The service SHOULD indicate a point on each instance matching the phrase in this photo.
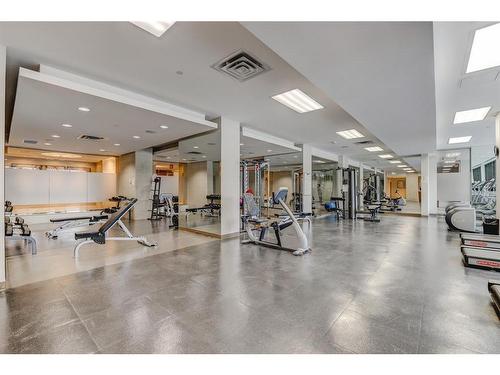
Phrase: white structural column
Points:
(307, 179)
(3, 54)
(230, 175)
(497, 144)
(361, 205)
(428, 184)
(143, 183)
(210, 177)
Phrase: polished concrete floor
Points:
(397, 286)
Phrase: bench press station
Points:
(99, 236)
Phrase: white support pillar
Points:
(210, 177)
(143, 183)
(230, 174)
(307, 179)
(428, 184)
(3, 57)
(497, 144)
(361, 204)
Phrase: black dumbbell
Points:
(9, 229)
(25, 230)
(7, 219)
(19, 220)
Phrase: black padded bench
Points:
(494, 289)
(100, 235)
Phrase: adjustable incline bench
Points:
(99, 236)
(73, 222)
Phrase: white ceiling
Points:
(177, 68)
(457, 91)
(41, 108)
(380, 72)
(207, 147)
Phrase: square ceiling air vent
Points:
(241, 65)
(364, 143)
(87, 137)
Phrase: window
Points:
(489, 170)
(476, 174)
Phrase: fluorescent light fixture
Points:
(136, 137)
(61, 155)
(84, 109)
(402, 166)
(454, 140)
(410, 171)
(453, 154)
(157, 28)
(67, 125)
(164, 126)
(319, 161)
(116, 144)
(350, 134)
(242, 144)
(393, 173)
(395, 161)
(47, 144)
(102, 150)
(203, 156)
(374, 149)
(298, 101)
(471, 115)
(55, 136)
(484, 53)
(386, 156)
(450, 161)
(269, 150)
(195, 147)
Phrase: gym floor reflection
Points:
(397, 286)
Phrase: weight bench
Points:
(100, 236)
(73, 222)
(494, 289)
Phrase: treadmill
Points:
(480, 251)
(494, 289)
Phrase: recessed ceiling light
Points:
(350, 134)
(67, 125)
(84, 109)
(454, 140)
(116, 144)
(102, 150)
(55, 136)
(269, 150)
(164, 126)
(402, 166)
(295, 156)
(195, 147)
(47, 144)
(184, 159)
(298, 101)
(395, 161)
(484, 53)
(136, 137)
(157, 28)
(168, 157)
(386, 156)
(242, 144)
(452, 154)
(319, 161)
(203, 156)
(471, 115)
(450, 161)
(393, 173)
(374, 149)
(410, 171)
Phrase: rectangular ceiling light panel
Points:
(454, 140)
(350, 134)
(471, 115)
(395, 161)
(485, 53)
(157, 28)
(374, 149)
(386, 156)
(298, 101)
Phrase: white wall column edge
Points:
(307, 178)
(497, 144)
(3, 58)
(230, 176)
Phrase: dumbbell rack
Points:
(16, 229)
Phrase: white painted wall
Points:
(3, 57)
(412, 187)
(196, 184)
(32, 186)
(282, 179)
(230, 175)
(170, 184)
(454, 187)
